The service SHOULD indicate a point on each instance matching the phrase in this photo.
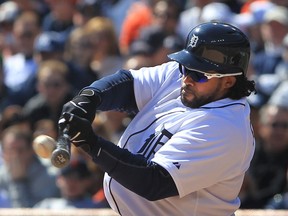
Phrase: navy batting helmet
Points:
(215, 46)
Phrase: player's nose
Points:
(188, 80)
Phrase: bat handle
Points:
(61, 155)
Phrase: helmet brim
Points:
(191, 61)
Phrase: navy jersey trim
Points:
(227, 105)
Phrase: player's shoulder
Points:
(170, 65)
(168, 68)
(226, 104)
(163, 70)
(222, 110)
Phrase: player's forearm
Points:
(116, 92)
(148, 180)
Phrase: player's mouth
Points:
(186, 90)
(187, 94)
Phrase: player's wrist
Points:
(83, 105)
(92, 95)
(91, 147)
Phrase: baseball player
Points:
(188, 147)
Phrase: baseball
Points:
(44, 145)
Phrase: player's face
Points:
(196, 94)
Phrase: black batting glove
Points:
(83, 105)
(80, 132)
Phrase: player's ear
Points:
(229, 81)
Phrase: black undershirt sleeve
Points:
(115, 92)
(133, 171)
(147, 179)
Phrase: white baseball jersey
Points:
(205, 150)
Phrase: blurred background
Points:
(51, 49)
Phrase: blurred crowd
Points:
(51, 49)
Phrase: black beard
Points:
(198, 101)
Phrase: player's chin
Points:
(190, 100)
(187, 100)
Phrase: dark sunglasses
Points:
(201, 76)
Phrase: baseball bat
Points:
(60, 157)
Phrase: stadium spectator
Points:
(160, 13)
(251, 19)
(106, 55)
(9, 12)
(79, 57)
(6, 95)
(54, 90)
(217, 11)
(60, 16)
(12, 116)
(25, 179)
(138, 16)
(116, 11)
(273, 30)
(40, 6)
(190, 17)
(281, 69)
(280, 200)
(49, 45)
(156, 44)
(166, 15)
(21, 66)
(86, 10)
(74, 182)
(270, 162)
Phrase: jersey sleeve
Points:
(200, 156)
(148, 80)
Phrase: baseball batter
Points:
(188, 147)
